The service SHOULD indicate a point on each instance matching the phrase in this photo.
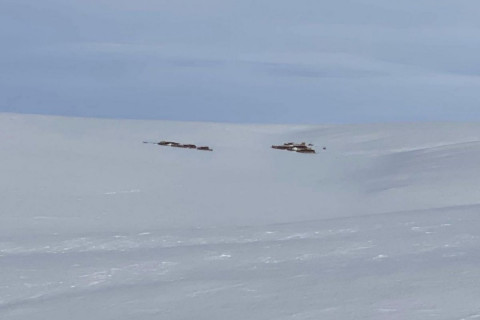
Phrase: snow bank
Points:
(94, 223)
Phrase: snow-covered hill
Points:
(95, 224)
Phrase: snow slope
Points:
(94, 224)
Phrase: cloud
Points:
(263, 61)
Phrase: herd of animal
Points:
(181, 145)
(297, 147)
(289, 146)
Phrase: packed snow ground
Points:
(94, 224)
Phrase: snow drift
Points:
(96, 224)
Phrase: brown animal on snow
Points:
(284, 147)
(166, 143)
(306, 150)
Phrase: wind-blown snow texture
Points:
(94, 224)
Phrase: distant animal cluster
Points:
(289, 146)
(297, 147)
(181, 145)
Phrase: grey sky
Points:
(307, 61)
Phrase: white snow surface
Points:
(95, 224)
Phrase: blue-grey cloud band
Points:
(242, 61)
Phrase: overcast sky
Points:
(303, 61)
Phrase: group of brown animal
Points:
(297, 147)
(289, 146)
(180, 145)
